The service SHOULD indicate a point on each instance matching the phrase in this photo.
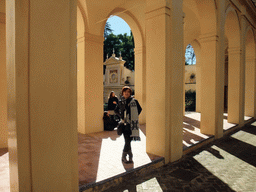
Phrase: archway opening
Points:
(232, 77)
(190, 79)
(249, 108)
(119, 65)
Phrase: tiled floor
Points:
(100, 153)
(224, 165)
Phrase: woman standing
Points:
(112, 103)
(128, 110)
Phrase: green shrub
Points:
(105, 105)
(190, 100)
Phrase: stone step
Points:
(118, 179)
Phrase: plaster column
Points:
(184, 83)
(90, 90)
(197, 49)
(81, 84)
(164, 79)
(198, 87)
(42, 101)
(250, 87)
(212, 84)
(254, 91)
(212, 77)
(236, 79)
(140, 80)
(3, 83)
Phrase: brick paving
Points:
(100, 154)
(227, 164)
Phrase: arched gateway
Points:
(54, 76)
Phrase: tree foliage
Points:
(190, 55)
(107, 30)
(120, 43)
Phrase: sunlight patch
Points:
(230, 169)
(149, 185)
(4, 172)
(110, 159)
(110, 163)
(226, 124)
(245, 137)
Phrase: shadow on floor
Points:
(192, 122)
(186, 175)
(238, 144)
(223, 165)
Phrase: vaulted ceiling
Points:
(254, 1)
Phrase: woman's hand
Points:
(114, 102)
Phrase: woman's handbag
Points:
(120, 128)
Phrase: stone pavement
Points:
(227, 164)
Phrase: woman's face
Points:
(112, 94)
(126, 94)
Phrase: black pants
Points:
(127, 144)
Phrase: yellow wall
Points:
(3, 81)
(47, 102)
(42, 115)
(164, 126)
(250, 74)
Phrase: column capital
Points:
(2, 18)
(90, 37)
(250, 59)
(208, 37)
(139, 50)
(234, 50)
(152, 12)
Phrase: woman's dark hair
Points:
(110, 95)
(125, 88)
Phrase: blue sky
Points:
(118, 25)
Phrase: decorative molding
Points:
(152, 13)
(93, 38)
(2, 18)
(139, 50)
(234, 50)
(209, 37)
(250, 59)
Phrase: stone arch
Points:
(207, 13)
(250, 42)
(80, 23)
(232, 27)
(197, 48)
(82, 11)
(133, 23)
(249, 72)
(199, 26)
(192, 28)
(139, 55)
(203, 16)
(233, 32)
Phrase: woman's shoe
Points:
(130, 156)
(124, 157)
